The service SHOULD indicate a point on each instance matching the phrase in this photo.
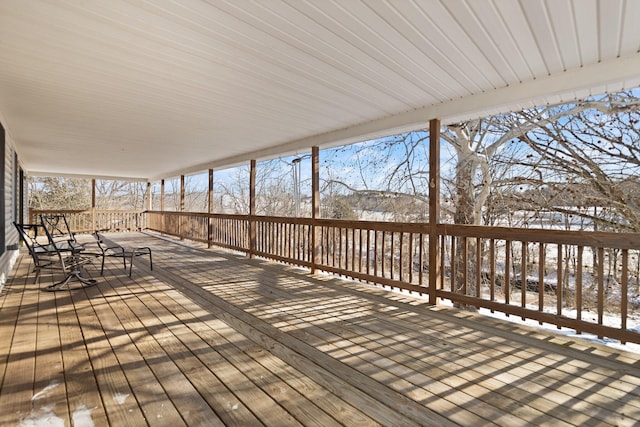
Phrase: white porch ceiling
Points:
(157, 88)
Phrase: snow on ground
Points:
(607, 320)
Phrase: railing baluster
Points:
(600, 286)
(443, 245)
(401, 257)
(506, 289)
(368, 252)
(421, 260)
(360, 250)
(341, 248)
(478, 267)
(492, 270)
(465, 264)
(336, 246)
(560, 283)
(410, 260)
(330, 245)
(353, 249)
(541, 261)
(453, 277)
(523, 282)
(624, 290)
(346, 249)
(322, 242)
(392, 255)
(383, 253)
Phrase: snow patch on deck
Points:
(82, 417)
(53, 384)
(120, 398)
(42, 417)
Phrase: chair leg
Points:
(140, 251)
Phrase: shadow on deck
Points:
(212, 338)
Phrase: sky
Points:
(339, 163)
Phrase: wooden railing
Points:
(576, 279)
(84, 221)
(228, 231)
(377, 252)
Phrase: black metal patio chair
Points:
(117, 251)
(70, 256)
(42, 252)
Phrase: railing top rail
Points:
(600, 239)
(88, 211)
(199, 214)
(570, 237)
(324, 222)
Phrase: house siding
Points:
(11, 197)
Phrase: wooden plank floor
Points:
(213, 338)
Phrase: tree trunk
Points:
(465, 198)
(465, 214)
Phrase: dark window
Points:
(16, 185)
(2, 199)
(20, 217)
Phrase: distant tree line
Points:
(51, 193)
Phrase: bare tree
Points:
(231, 193)
(196, 189)
(385, 178)
(280, 189)
(59, 193)
(120, 195)
(590, 164)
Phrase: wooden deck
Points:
(213, 338)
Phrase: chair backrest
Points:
(62, 242)
(57, 228)
(29, 233)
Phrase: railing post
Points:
(252, 210)
(181, 206)
(181, 193)
(210, 211)
(315, 208)
(142, 223)
(93, 205)
(162, 220)
(434, 209)
(147, 197)
(162, 195)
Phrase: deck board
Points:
(19, 358)
(115, 392)
(212, 338)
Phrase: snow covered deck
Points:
(213, 338)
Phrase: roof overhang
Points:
(149, 90)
